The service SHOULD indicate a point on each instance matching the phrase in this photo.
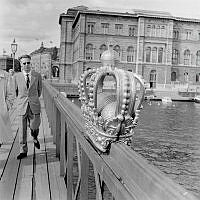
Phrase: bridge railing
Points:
(122, 174)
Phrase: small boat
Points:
(197, 99)
(166, 100)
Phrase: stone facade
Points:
(45, 62)
(162, 48)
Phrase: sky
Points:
(31, 22)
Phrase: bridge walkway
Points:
(38, 175)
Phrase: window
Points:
(198, 77)
(175, 56)
(186, 77)
(158, 32)
(131, 30)
(173, 76)
(130, 54)
(153, 31)
(103, 48)
(149, 30)
(117, 49)
(118, 29)
(198, 58)
(148, 54)
(163, 31)
(188, 35)
(89, 52)
(105, 28)
(160, 55)
(154, 55)
(152, 79)
(176, 35)
(187, 57)
(90, 27)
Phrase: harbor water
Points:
(168, 136)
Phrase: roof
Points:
(42, 50)
(74, 13)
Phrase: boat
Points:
(197, 99)
(166, 100)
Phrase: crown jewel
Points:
(111, 99)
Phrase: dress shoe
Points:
(36, 143)
(21, 156)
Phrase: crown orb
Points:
(109, 57)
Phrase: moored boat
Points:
(197, 99)
(166, 100)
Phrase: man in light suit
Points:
(28, 83)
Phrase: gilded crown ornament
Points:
(110, 113)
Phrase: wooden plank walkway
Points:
(36, 177)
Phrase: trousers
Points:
(28, 120)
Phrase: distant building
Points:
(46, 61)
(6, 63)
(162, 48)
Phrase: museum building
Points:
(162, 48)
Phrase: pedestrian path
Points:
(36, 177)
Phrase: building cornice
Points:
(131, 14)
(68, 16)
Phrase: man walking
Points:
(28, 83)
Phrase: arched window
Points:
(55, 71)
(103, 48)
(160, 55)
(117, 49)
(154, 55)
(198, 58)
(175, 55)
(130, 54)
(187, 57)
(148, 54)
(173, 76)
(89, 52)
(152, 79)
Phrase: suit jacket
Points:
(25, 95)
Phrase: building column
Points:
(140, 46)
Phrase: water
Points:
(168, 136)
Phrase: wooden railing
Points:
(68, 88)
(120, 175)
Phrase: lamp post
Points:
(14, 50)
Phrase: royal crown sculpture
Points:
(110, 114)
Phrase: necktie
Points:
(27, 81)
